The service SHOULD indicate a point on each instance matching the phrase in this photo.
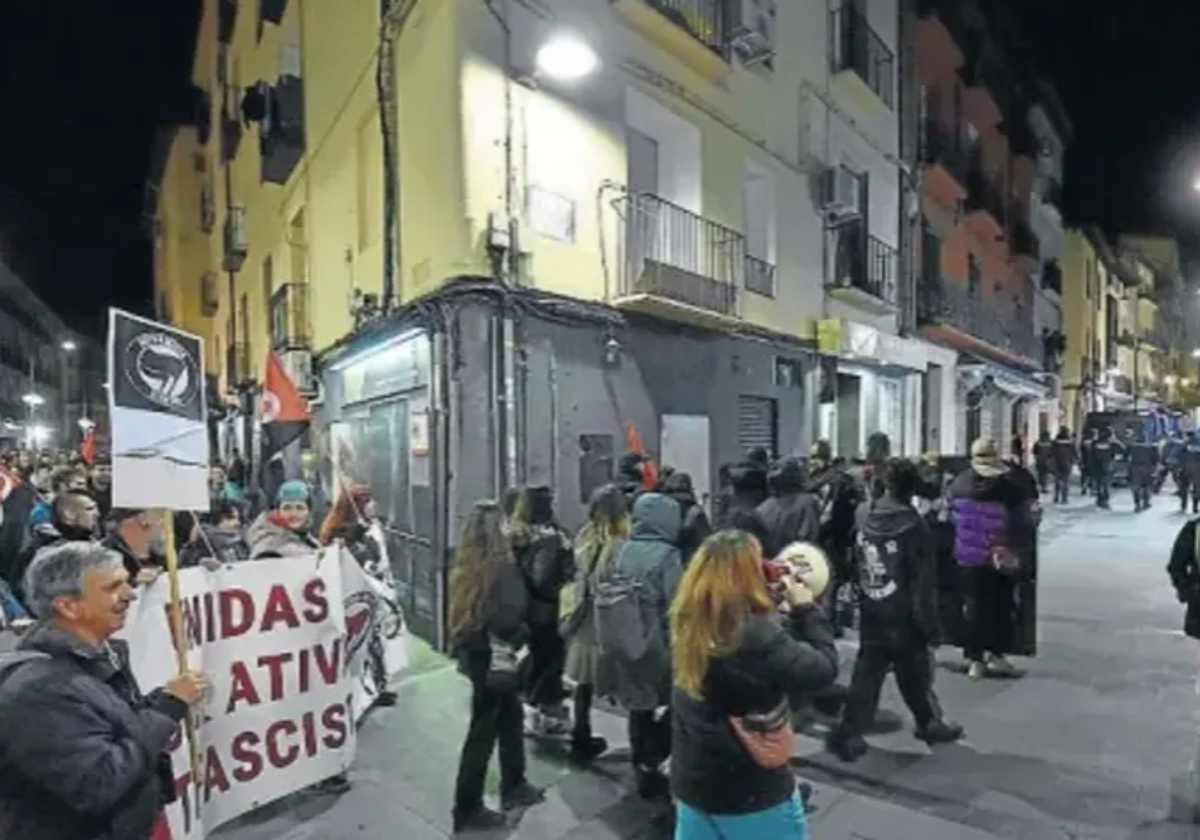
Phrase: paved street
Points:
(1084, 746)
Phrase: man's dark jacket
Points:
(82, 751)
(897, 574)
(792, 514)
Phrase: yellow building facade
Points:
(478, 159)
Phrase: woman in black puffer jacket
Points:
(736, 662)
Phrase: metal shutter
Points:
(758, 424)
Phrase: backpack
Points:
(625, 615)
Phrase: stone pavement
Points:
(1084, 746)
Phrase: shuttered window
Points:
(758, 424)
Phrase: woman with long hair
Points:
(606, 528)
(488, 626)
(737, 657)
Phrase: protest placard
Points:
(284, 643)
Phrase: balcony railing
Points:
(1022, 241)
(863, 263)
(708, 21)
(984, 196)
(290, 324)
(760, 276)
(1052, 277)
(942, 147)
(237, 364)
(943, 302)
(858, 48)
(673, 253)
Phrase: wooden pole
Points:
(179, 638)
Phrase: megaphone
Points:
(805, 562)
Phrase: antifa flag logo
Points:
(361, 617)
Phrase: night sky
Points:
(81, 92)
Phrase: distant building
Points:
(50, 376)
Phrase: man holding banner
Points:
(83, 754)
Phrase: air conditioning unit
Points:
(298, 364)
(236, 246)
(753, 33)
(841, 193)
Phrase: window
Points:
(758, 193)
(974, 274)
(931, 255)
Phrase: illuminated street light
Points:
(85, 424)
(1196, 353)
(566, 58)
(38, 434)
(33, 400)
(69, 346)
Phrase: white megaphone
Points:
(808, 564)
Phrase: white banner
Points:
(284, 642)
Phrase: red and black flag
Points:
(87, 449)
(284, 413)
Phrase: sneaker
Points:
(998, 666)
(521, 796)
(976, 671)
(940, 732)
(484, 819)
(587, 748)
(848, 748)
(387, 699)
(652, 784)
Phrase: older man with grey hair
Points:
(82, 751)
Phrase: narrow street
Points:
(1084, 746)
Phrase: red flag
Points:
(87, 449)
(284, 413)
(162, 828)
(633, 441)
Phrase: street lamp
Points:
(566, 58)
(69, 346)
(86, 424)
(33, 400)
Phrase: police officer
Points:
(1063, 461)
(1143, 463)
(1100, 462)
(1086, 485)
(1190, 474)
(1043, 459)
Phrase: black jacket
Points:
(792, 515)
(710, 769)
(545, 558)
(1184, 571)
(695, 527)
(1063, 456)
(82, 751)
(503, 614)
(896, 567)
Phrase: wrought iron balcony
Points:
(984, 197)
(858, 48)
(941, 302)
(237, 364)
(942, 147)
(1022, 241)
(290, 323)
(862, 270)
(282, 138)
(760, 276)
(677, 257)
(708, 22)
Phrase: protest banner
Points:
(372, 602)
(284, 643)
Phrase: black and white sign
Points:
(158, 416)
(157, 368)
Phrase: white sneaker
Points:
(999, 666)
(976, 671)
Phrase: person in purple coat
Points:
(994, 531)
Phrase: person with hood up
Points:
(993, 536)
(792, 514)
(648, 566)
(286, 530)
(218, 543)
(745, 490)
(695, 526)
(545, 557)
(896, 569)
(1062, 462)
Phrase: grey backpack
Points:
(625, 615)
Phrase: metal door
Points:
(685, 445)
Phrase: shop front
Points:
(997, 401)
(876, 381)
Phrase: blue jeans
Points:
(785, 821)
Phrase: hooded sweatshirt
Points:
(988, 511)
(793, 514)
(897, 572)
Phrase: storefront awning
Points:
(975, 372)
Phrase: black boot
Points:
(939, 732)
(846, 746)
(586, 747)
